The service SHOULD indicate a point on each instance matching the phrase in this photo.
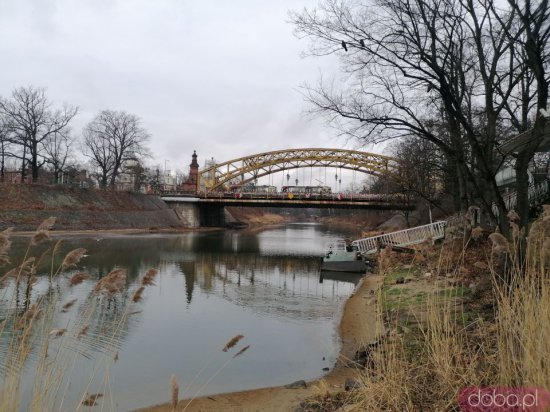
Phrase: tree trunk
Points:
(34, 163)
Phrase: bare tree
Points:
(31, 122)
(4, 146)
(411, 63)
(57, 149)
(533, 56)
(109, 139)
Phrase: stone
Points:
(400, 280)
(351, 384)
(428, 275)
(296, 385)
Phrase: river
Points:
(211, 286)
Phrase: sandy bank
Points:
(357, 326)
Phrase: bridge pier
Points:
(194, 214)
(188, 213)
(211, 215)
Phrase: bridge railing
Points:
(394, 198)
(537, 192)
(402, 238)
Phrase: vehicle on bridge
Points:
(251, 188)
(316, 190)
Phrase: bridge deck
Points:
(384, 202)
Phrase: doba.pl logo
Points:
(500, 399)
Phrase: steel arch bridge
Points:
(248, 168)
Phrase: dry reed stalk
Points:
(65, 308)
(113, 283)
(5, 245)
(72, 258)
(243, 350)
(47, 224)
(90, 400)
(500, 243)
(513, 216)
(477, 233)
(57, 332)
(524, 305)
(174, 389)
(24, 269)
(32, 313)
(137, 294)
(39, 236)
(232, 342)
(149, 277)
(83, 331)
(78, 278)
(134, 312)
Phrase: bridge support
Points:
(211, 215)
(187, 212)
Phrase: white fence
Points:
(402, 238)
(536, 194)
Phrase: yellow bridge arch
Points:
(248, 168)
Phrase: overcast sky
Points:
(216, 76)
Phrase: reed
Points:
(492, 336)
(174, 390)
(29, 327)
(232, 342)
(78, 278)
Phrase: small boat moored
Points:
(342, 256)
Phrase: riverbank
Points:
(77, 209)
(107, 232)
(357, 327)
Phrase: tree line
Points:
(451, 78)
(35, 136)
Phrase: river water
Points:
(211, 286)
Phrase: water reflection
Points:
(210, 287)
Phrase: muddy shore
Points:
(357, 327)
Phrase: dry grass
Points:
(30, 330)
(492, 336)
(232, 342)
(174, 390)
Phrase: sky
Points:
(218, 77)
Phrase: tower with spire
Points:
(190, 185)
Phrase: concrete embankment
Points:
(26, 206)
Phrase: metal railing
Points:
(537, 192)
(402, 238)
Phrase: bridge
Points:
(202, 198)
(250, 168)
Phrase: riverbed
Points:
(211, 287)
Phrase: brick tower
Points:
(190, 185)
